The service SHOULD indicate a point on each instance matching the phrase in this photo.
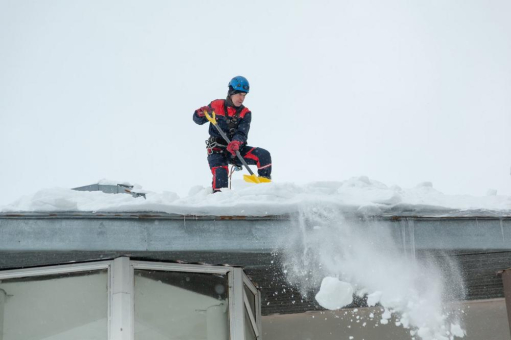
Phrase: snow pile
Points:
(335, 294)
(359, 194)
(326, 251)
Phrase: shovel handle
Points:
(224, 136)
(244, 163)
(211, 119)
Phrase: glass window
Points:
(179, 305)
(249, 330)
(55, 307)
(251, 299)
(251, 306)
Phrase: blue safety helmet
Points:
(240, 84)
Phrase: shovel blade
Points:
(255, 179)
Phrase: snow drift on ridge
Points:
(354, 195)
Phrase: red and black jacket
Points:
(234, 121)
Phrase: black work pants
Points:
(219, 161)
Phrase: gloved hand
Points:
(233, 147)
(200, 112)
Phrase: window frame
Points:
(255, 319)
(121, 300)
(68, 268)
(184, 268)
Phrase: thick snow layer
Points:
(360, 194)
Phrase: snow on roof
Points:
(358, 194)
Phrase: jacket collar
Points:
(228, 102)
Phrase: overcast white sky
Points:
(400, 91)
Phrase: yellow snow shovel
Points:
(252, 178)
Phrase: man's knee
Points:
(264, 156)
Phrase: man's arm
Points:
(198, 115)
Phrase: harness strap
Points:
(212, 146)
(232, 122)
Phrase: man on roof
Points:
(234, 119)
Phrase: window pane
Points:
(249, 330)
(55, 307)
(178, 305)
(251, 299)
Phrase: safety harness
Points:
(215, 144)
(232, 122)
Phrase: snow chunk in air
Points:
(334, 294)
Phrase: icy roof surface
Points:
(359, 194)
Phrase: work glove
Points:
(200, 112)
(234, 146)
